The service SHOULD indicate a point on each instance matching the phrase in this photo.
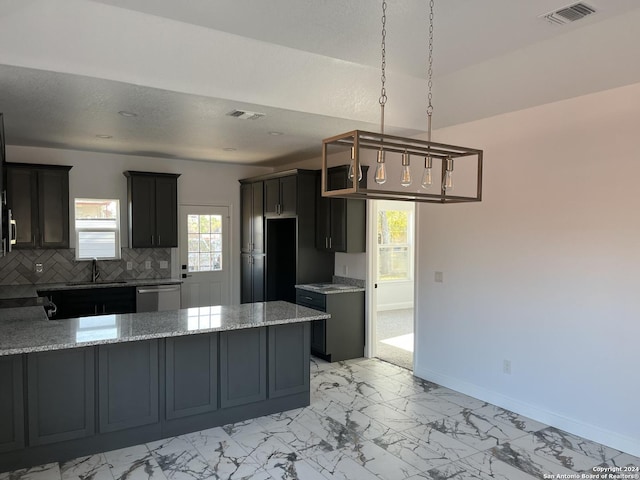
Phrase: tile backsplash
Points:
(60, 266)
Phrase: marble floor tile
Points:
(347, 398)
(93, 467)
(383, 367)
(437, 403)
(266, 449)
(624, 460)
(486, 464)
(134, 463)
(295, 469)
(440, 442)
(527, 461)
(411, 451)
(379, 461)
(362, 424)
(335, 466)
(476, 431)
(332, 431)
(48, 471)
(451, 471)
(243, 428)
(457, 398)
(416, 410)
(228, 460)
(597, 451)
(549, 446)
(390, 417)
(510, 418)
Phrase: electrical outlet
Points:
(506, 367)
(438, 277)
(39, 268)
(164, 264)
(129, 265)
(147, 264)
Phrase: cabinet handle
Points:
(326, 242)
(159, 241)
(152, 240)
(329, 242)
(95, 309)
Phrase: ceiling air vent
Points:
(568, 14)
(245, 115)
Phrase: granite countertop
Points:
(330, 288)
(13, 292)
(27, 329)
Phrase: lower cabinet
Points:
(243, 366)
(86, 302)
(60, 395)
(288, 359)
(11, 404)
(191, 375)
(127, 385)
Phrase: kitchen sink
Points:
(105, 282)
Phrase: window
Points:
(205, 243)
(97, 228)
(394, 245)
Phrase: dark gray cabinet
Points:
(252, 278)
(252, 212)
(289, 359)
(280, 196)
(92, 301)
(11, 404)
(191, 375)
(128, 385)
(38, 196)
(341, 223)
(153, 209)
(340, 337)
(60, 395)
(243, 367)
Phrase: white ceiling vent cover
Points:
(245, 115)
(569, 14)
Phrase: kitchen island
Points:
(79, 386)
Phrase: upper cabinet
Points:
(252, 226)
(280, 196)
(341, 223)
(38, 196)
(153, 209)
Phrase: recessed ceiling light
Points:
(104, 136)
(124, 113)
(275, 134)
(229, 149)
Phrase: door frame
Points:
(234, 233)
(371, 313)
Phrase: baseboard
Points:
(571, 425)
(395, 306)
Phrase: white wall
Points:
(97, 175)
(545, 271)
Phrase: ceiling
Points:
(312, 67)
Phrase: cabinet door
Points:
(246, 279)
(22, 199)
(288, 359)
(337, 211)
(288, 195)
(318, 344)
(53, 195)
(116, 300)
(257, 278)
(128, 385)
(272, 197)
(246, 217)
(323, 218)
(257, 217)
(142, 211)
(191, 375)
(243, 366)
(60, 395)
(166, 211)
(11, 404)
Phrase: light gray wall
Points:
(543, 272)
(99, 175)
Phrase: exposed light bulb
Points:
(352, 165)
(381, 170)
(427, 178)
(405, 177)
(447, 181)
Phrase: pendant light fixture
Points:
(393, 176)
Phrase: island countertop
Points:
(27, 329)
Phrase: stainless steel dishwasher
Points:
(157, 298)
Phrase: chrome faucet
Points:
(95, 273)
